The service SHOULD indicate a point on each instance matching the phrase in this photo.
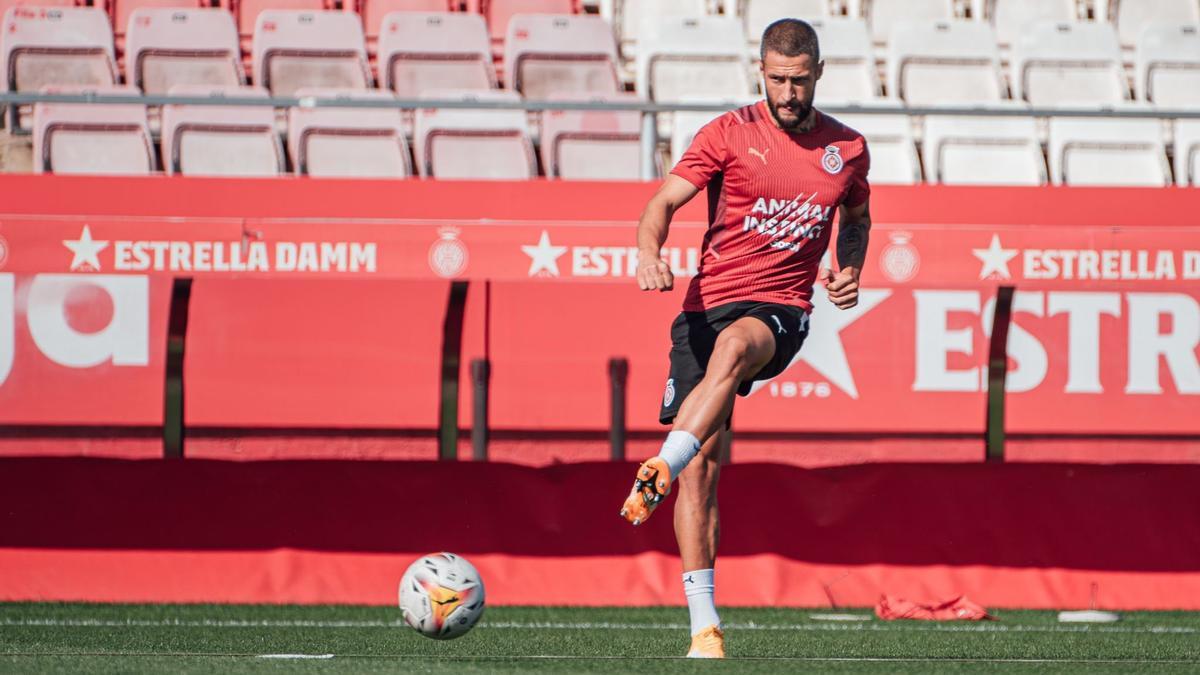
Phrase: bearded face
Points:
(790, 83)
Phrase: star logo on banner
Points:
(995, 259)
(543, 257)
(823, 349)
(86, 250)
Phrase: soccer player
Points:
(775, 171)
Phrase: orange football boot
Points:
(652, 484)
(708, 644)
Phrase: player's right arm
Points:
(653, 273)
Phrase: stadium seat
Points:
(850, 74)
(1068, 64)
(206, 140)
(548, 56)
(333, 142)
(892, 144)
(698, 58)
(882, 14)
(421, 51)
(932, 62)
(248, 11)
(959, 150)
(498, 13)
(473, 144)
(684, 128)
(123, 10)
(43, 46)
(592, 144)
(1132, 16)
(1010, 17)
(166, 47)
(1107, 151)
(1168, 65)
(756, 15)
(374, 11)
(1187, 152)
(81, 138)
(629, 16)
(296, 49)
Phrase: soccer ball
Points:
(441, 596)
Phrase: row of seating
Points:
(684, 59)
(590, 145)
(243, 140)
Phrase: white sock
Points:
(678, 450)
(698, 587)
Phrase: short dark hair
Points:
(791, 37)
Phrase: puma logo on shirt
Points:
(760, 155)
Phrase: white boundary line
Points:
(988, 627)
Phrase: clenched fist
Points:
(653, 273)
(841, 286)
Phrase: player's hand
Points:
(842, 286)
(654, 274)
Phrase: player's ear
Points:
(820, 69)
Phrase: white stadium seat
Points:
(206, 140)
(592, 144)
(421, 51)
(1011, 17)
(166, 47)
(684, 128)
(80, 138)
(1105, 151)
(891, 143)
(968, 150)
(850, 74)
(1168, 65)
(1187, 152)
(50, 46)
(1132, 16)
(933, 62)
(698, 58)
(1068, 64)
(756, 15)
(294, 49)
(375, 11)
(334, 142)
(248, 11)
(631, 16)
(473, 143)
(882, 14)
(550, 55)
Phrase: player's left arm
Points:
(854, 231)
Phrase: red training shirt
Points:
(771, 200)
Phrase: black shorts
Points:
(693, 335)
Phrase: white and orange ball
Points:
(441, 596)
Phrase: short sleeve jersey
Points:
(771, 200)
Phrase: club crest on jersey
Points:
(832, 159)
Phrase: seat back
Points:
(982, 150)
(474, 144)
(296, 49)
(1187, 152)
(52, 46)
(374, 11)
(592, 144)
(882, 15)
(693, 58)
(1100, 151)
(891, 141)
(850, 73)
(347, 142)
(1010, 17)
(166, 47)
(123, 10)
(548, 56)
(208, 140)
(423, 51)
(1168, 65)
(81, 138)
(758, 14)
(1068, 64)
(1132, 16)
(944, 62)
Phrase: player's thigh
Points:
(749, 342)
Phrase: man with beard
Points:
(774, 171)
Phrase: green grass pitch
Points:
(50, 638)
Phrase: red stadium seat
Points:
(204, 140)
(42, 46)
(592, 144)
(122, 10)
(474, 144)
(6, 4)
(166, 47)
(374, 11)
(421, 51)
(248, 11)
(549, 55)
(295, 49)
(347, 142)
(80, 138)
